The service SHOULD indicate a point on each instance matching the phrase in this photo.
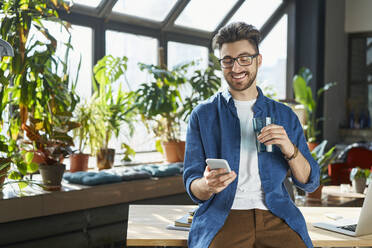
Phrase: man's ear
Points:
(259, 60)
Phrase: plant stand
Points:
(52, 176)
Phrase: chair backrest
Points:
(359, 156)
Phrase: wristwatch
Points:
(294, 153)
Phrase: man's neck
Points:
(247, 95)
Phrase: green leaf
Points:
(22, 185)
(158, 146)
(15, 175)
(32, 167)
(28, 157)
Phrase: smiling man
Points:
(248, 207)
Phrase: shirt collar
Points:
(257, 107)
(260, 98)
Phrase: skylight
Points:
(205, 15)
(155, 10)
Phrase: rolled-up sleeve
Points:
(300, 141)
(194, 164)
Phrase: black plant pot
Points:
(52, 176)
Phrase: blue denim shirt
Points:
(214, 132)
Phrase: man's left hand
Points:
(276, 135)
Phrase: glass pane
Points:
(255, 12)
(180, 53)
(81, 41)
(137, 49)
(91, 3)
(155, 10)
(205, 15)
(272, 74)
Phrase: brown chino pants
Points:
(255, 228)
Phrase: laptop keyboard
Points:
(349, 227)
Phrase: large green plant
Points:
(115, 105)
(159, 101)
(324, 158)
(204, 83)
(303, 95)
(30, 70)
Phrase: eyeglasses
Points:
(243, 60)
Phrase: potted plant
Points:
(158, 103)
(304, 96)
(115, 107)
(30, 62)
(85, 115)
(50, 140)
(358, 178)
(163, 103)
(323, 158)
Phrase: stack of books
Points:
(183, 223)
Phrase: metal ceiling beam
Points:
(174, 14)
(228, 16)
(84, 10)
(134, 20)
(274, 18)
(105, 8)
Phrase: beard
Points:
(241, 86)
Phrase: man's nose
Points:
(236, 67)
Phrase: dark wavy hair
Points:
(235, 32)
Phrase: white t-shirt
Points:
(249, 193)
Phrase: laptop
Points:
(362, 226)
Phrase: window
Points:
(205, 15)
(272, 74)
(81, 41)
(255, 12)
(137, 49)
(180, 53)
(155, 10)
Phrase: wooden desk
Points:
(146, 226)
(332, 197)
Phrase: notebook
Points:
(362, 226)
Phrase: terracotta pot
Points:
(174, 151)
(105, 158)
(52, 175)
(358, 185)
(79, 162)
(312, 145)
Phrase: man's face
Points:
(240, 77)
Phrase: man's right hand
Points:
(212, 182)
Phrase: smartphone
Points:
(216, 163)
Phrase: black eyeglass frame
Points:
(236, 59)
